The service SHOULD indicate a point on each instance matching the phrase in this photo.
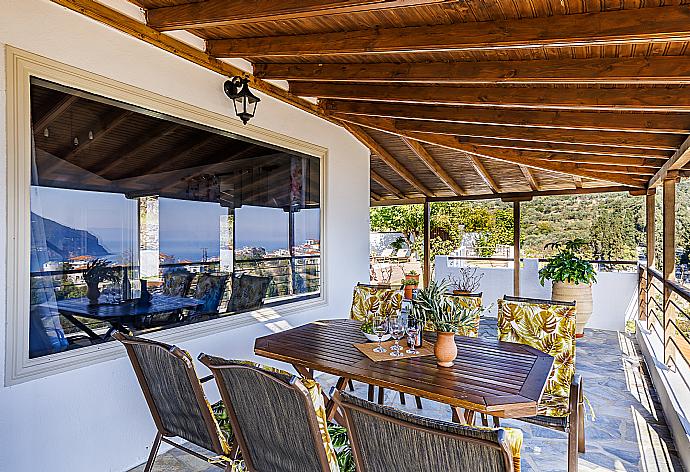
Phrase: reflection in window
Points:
(141, 222)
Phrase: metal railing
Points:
(602, 265)
(665, 307)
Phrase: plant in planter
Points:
(412, 275)
(434, 310)
(97, 271)
(466, 281)
(409, 285)
(572, 278)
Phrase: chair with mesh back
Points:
(549, 326)
(384, 439)
(279, 420)
(177, 401)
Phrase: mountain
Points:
(64, 242)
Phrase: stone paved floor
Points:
(629, 433)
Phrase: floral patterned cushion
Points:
(209, 289)
(551, 329)
(177, 284)
(468, 302)
(369, 301)
(248, 292)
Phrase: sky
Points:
(185, 226)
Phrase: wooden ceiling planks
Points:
(545, 95)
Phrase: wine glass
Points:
(380, 327)
(397, 331)
(412, 331)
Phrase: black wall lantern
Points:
(237, 89)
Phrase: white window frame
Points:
(21, 66)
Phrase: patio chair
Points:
(209, 289)
(279, 420)
(384, 439)
(549, 326)
(177, 401)
(177, 283)
(370, 300)
(248, 292)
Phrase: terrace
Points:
(122, 145)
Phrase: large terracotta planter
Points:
(582, 295)
(445, 349)
(407, 291)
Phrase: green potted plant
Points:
(97, 271)
(412, 275)
(434, 310)
(572, 277)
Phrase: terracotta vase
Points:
(445, 349)
(407, 292)
(92, 293)
(581, 294)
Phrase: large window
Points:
(141, 222)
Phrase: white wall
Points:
(614, 294)
(94, 418)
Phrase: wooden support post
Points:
(516, 248)
(650, 203)
(669, 264)
(427, 243)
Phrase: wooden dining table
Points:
(496, 378)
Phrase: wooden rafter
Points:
(55, 111)
(213, 13)
(623, 26)
(515, 156)
(182, 153)
(130, 26)
(148, 138)
(482, 172)
(111, 123)
(665, 142)
(531, 180)
(386, 184)
(419, 150)
(375, 196)
(607, 121)
(638, 70)
(631, 99)
(387, 157)
(679, 160)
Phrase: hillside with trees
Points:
(614, 223)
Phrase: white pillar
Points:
(149, 237)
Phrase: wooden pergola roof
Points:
(462, 99)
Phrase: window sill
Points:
(46, 366)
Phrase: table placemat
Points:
(427, 349)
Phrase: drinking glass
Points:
(380, 327)
(412, 331)
(397, 330)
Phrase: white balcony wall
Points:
(615, 293)
(94, 418)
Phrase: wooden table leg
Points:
(332, 412)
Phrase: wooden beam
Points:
(650, 205)
(426, 271)
(585, 29)
(375, 196)
(182, 153)
(679, 159)
(479, 168)
(615, 139)
(53, 113)
(386, 184)
(587, 120)
(630, 99)
(419, 150)
(214, 13)
(531, 180)
(143, 141)
(669, 266)
(513, 196)
(637, 70)
(130, 26)
(530, 159)
(516, 248)
(112, 122)
(387, 157)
